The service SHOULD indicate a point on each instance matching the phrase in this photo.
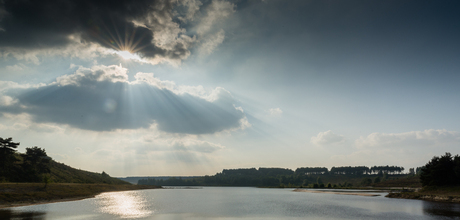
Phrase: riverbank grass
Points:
(18, 194)
(439, 194)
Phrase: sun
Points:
(126, 55)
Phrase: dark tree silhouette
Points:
(36, 163)
(440, 171)
(311, 170)
(358, 170)
(7, 157)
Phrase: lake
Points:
(231, 203)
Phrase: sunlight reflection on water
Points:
(129, 204)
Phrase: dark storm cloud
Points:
(333, 39)
(101, 99)
(109, 23)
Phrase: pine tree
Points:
(7, 157)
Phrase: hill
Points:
(61, 173)
(36, 166)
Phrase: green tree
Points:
(46, 180)
(7, 157)
(440, 171)
(457, 168)
(36, 163)
(412, 171)
(104, 174)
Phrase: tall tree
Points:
(7, 157)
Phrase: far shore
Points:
(337, 192)
(25, 194)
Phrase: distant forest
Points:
(316, 177)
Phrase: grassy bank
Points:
(438, 194)
(17, 194)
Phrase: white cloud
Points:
(84, 75)
(7, 101)
(15, 68)
(76, 49)
(8, 86)
(150, 79)
(102, 99)
(196, 145)
(24, 122)
(410, 149)
(211, 43)
(275, 111)
(327, 138)
(157, 141)
(429, 137)
(216, 11)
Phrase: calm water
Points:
(229, 203)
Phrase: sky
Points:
(191, 87)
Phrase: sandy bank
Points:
(336, 192)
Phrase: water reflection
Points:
(7, 214)
(129, 204)
(441, 209)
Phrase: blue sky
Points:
(191, 87)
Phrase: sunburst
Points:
(125, 47)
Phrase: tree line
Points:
(362, 170)
(30, 166)
(345, 170)
(280, 177)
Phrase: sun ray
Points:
(126, 45)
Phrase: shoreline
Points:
(26, 194)
(449, 194)
(425, 197)
(337, 192)
(12, 205)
